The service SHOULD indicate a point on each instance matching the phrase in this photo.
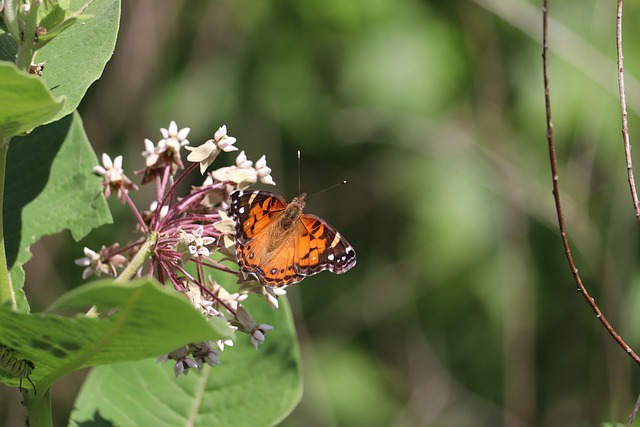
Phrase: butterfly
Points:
(281, 245)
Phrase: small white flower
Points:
(246, 324)
(104, 262)
(114, 177)
(90, 257)
(197, 242)
(149, 153)
(273, 294)
(191, 363)
(226, 225)
(257, 337)
(179, 369)
(242, 162)
(242, 177)
(154, 206)
(174, 137)
(224, 141)
(222, 343)
(263, 171)
(90, 260)
(203, 305)
(204, 154)
(221, 294)
(192, 356)
(166, 153)
(111, 170)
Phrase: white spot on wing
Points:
(331, 257)
(253, 197)
(335, 241)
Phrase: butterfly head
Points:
(300, 200)
(292, 212)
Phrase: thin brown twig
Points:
(556, 193)
(627, 147)
(623, 107)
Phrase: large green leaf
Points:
(147, 321)
(76, 57)
(25, 101)
(50, 187)
(249, 388)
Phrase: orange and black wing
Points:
(320, 247)
(253, 211)
(275, 268)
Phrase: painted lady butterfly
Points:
(281, 245)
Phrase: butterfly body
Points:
(280, 244)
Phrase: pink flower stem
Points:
(133, 207)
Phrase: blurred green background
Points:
(461, 310)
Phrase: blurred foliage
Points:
(461, 310)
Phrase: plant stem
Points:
(26, 47)
(39, 410)
(6, 290)
(556, 193)
(146, 250)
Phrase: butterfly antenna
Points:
(327, 189)
(299, 188)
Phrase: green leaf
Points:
(50, 17)
(249, 388)
(11, 17)
(25, 101)
(49, 174)
(140, 327)
(58, 21)
(77, 56)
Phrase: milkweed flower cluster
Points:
(187, 229)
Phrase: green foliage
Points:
(48, 186)
(60, 183)
(25, 101)
(249, 388)
(461, 310)
(77, 57)
(137, 327)
(57, 20)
